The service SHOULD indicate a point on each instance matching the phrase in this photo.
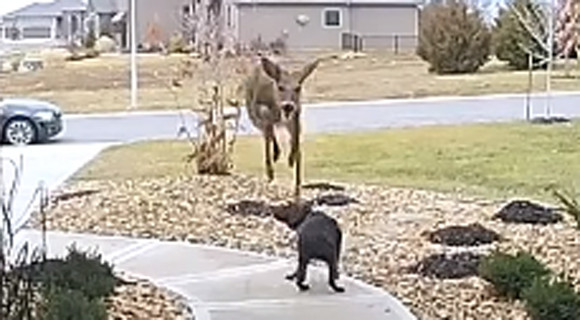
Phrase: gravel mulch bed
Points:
(385, 232)
(139, 299)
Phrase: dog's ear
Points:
(297, 214)
(291, 214)
(280, 214)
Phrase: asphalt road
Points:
(349, 117)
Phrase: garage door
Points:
(35, 33)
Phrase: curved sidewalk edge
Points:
(220, 283)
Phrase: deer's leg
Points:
(276, 148)
(295, 157)
(268, 135)
(294, 130)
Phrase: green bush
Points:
(453, 39)
(511, 38)
(511, 275)
(571, 206)
(553, 300)
(177, 44)
(90, 39)
(66, 304)
(80, 271)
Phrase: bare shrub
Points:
(16, 61)
(218, 73)
(279, 46)
(178, 44)
(258, 45)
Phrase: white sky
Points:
(11, 5)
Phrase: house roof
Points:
(104, 6)
(54, 8)
(328, 2)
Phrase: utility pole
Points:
(530, 84)
(133, 56)
(550, 58)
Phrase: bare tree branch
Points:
(538, 38)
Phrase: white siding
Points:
(378, 24)
(270, 21)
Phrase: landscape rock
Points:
(442, 266)
(139, 299)
(383, 235)
(249, 207)
(323, 186)
(471, 235)
(523, 211)
(335, 200)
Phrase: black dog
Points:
(319, 237)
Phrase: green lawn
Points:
(498, 161)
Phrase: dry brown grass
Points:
(103, 84)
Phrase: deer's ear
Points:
(307, 70)
(272, 69)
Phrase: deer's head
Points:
(288, 85)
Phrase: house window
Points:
(332, 18)
(11, 33)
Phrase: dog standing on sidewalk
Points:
(319, 237)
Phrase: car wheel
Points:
(20, 132)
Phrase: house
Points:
(56, 22)
(109, 18)
(62, 21)
(156, 20)
(326, 24)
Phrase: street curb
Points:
(121, 114)
(379, 102)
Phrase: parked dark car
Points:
(26, 121)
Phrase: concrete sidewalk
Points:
(223, 284)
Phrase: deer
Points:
(272, 95)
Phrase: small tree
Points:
(520, 30)
(568, 29)
(154, 37)
(453, 38)
(217, 77)
(90, 39)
